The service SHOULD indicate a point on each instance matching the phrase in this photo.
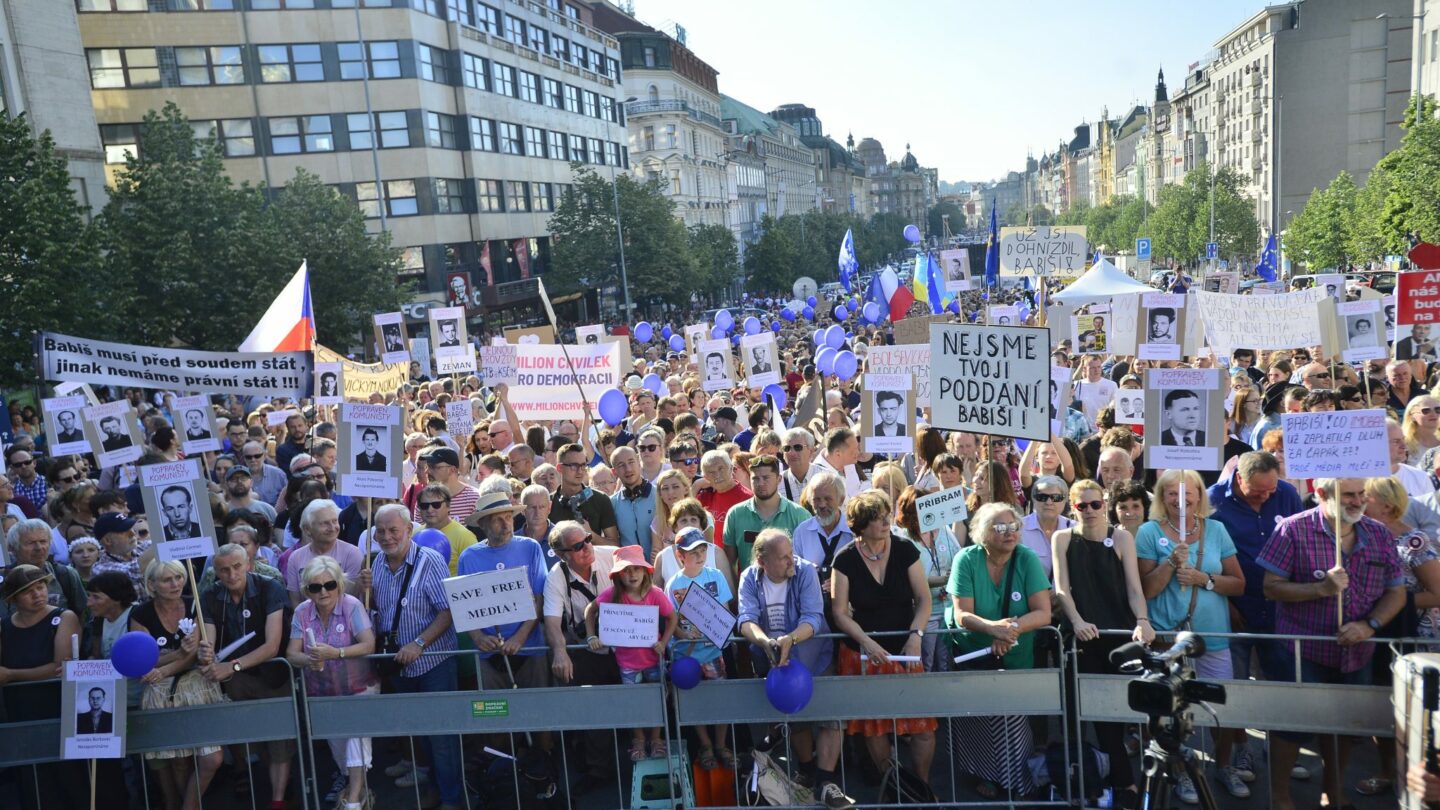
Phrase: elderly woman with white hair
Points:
(320, 528)
(330, 635)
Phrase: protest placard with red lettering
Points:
(1417, 295)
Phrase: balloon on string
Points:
(735, 339)
(666, 332)
(846, 364)
(912, 233)
(776, 392)
(717, 332)
(825, 360)
(835, 337)
(644, 332)
(808, 312)
(871, 311)
(685, 672)
(789, 688)
(840, 312)
(774, 326)
(654, 384)
(135, 654)
(819, 338)
(812, 301)
(613, 407)
(787, 314)
(436, 541)
(724, 319)
(677, 343)
(752, 325)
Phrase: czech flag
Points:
(289, 324)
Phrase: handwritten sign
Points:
(913, 360)
(991, 379)
(490, 598)
(1043, 250)
(499, 364)
(459, 419)
(1337, 444)
(708, 615)
(629, 625)
(1260, 321)
(941, 508)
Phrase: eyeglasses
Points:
(22, 463)
(317, 587)
(794, 448)
(430, 504)
(68, 479)
(1048, 497)
(648, 448)
(1424, 411)
(688, 462)
(498, 433)
(1318, 375)
(576, 547)
(1084, 506)
(249, 457)
(1005, 528)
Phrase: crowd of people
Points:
(815, 544)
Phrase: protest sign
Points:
(1130, 406)
(390, 337)
(545, 382)
(1003, 315)
(461, 363)
(887, 413)
(519, 335)
(1184, 419)
(113, 432)
(627, 361)
(941, 508)
(92, 711)
(360, 380)
(589, 334)
(498, 365)
(716, 365)
(991, 379)
(708, 614)
(911, 359)
(1160, 326)
(915, 330)
(1227, 283)
(262, 374)
(420, 355)
(1417, 294)
(1333, 284)
(1387, 306)
(1260, 321)
(1042, 250)
(955, 270)
(1359, 330)
(694, 333)
(1061, 393)
(280, 417)
(1091, 331)
(761, 359)
(1124, 312)
(369, 450)
(490, 598)
(175, 492)
(629, 625)
(64, 426)
(449, 334)
(195, 422)
(328, 390)
(459, 419)
(1057, 320)
(1336, 444)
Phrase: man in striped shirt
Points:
(444, 466)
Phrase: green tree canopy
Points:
(1320, 235)
(1180, 225)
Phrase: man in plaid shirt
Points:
(1304, 578)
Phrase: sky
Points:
(972, 85)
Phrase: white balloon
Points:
(889, 282)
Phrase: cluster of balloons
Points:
(788, 688)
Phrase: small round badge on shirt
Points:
(1163, 542)
(1109, 542)
(1416, 542)
(500, 566)
(161, 641)
(1318, 574)
(1014, 596)
(339, 628)
(245, 613)
(404, 602)
(55, 622)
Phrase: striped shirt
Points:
(462, 504)
(419, 606)
(1302, 549)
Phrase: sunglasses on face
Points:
(574, 465)
(430, 504)
(1048, 497)
(794, 448)
(1424, 411)
(249, 457)
(317, 587)
(23, 463)
(1085, 506)
(1005, 528)
(576, 547)
(688, 462)
(68, 479)
(649, 448)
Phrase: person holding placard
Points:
(937, 548)
(632, 585)
(688, 641)
(520, 642)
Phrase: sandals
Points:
(727, 758)
(658, 750)
(708, 760)
(637, 750)
(1374, 786)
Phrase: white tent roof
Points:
(1101, 282)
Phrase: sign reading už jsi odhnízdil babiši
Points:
(991, 379)
(1042, 250)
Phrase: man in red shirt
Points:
(720, 489)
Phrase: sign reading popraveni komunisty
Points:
(991, 379)
(66, 358)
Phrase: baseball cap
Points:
(112, 522)
(726, 412)
(441, 455)
(238, 469)
(690, 538)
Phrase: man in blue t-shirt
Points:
(522, 659)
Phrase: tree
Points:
(1015, 214)
(1180, 225)
(1399, 201)
(1040, 215)
(1319, 236)
(935, 219)
(48, 254)
(717, 258)
(770, 263)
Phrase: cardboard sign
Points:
(328, 388)
(1042, 250)
(717, 365)
(1090, 331)
(1227, 283)
(1184, 419)
(1130, 406)
(589, 334)
(1161, 326)
(459, 419)
(497, 365)
(390, 337)
(1260, 321)
(195, 424)
(1336, 444)
(449, 334)
(176, 498)
(911, 359)
(991, 380)
(420, 355)
(490, 598)
(64, 425)
(916, 329)
(359, 380)
(1360, 329)
(369, 450)
(714, 621)
(113, 432)
(887, 414)
(1003, 315)
(941, 508)
(955, 270)
(761, 359)
(92, 711)
(1124, 313)
(629, 625)
(518, 335)
(457, 363)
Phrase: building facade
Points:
(841, 176)
(791, 182)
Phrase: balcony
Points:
(671, 105)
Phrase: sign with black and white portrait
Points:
(1184, 419)
(761, 358)
(717, 371)
(1130, 406)
(1361, 327)
(1334, 286)
(589, 335)
(390, 337)
(64, 425)
(175, 493)
(329, 384)
(114, 433)
(1161, 326)
(369, 454)
(888, 413)
(1004, 315)
(448, 335)
(195, 422)
(93, 705)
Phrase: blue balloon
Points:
(825, 360)
(840, 312)
(685, 672)
(644, 332)
(752, 325)
(776, 391)
(812, 302)
(774, 326)
(871, 310)
(787, 314)
(435, 540)
(666, 332)
(835, 337)
(846, 364)
(954, 306)
(724, 319)
(809, 312)
(912, 233)
(1021, 444)
(717, 332)
(654, 384)
(819, 338)
(735, 339)
(613, 407)
(677, 343)
(789, 688)
(135, 654)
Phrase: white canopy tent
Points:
(1101, 282)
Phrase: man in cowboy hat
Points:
(522, 662)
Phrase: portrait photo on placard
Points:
(1333, 284)
(1161, 326)
(1417, 342)
(369, 450)
(178, 509)
(94, 708)
(1184, 419)
(64, 425)
(761, 359)
(371, 441)
(1387, 309)
(589, 335)
(1130, 406)
(716, 365)
(955, 266)
(447, 331)
(390, 337)
(329, 388)
(888, 413)
(113, 432)
(1090, 332)
(1007, 315)
(195, 421)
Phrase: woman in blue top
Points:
(1188, 569)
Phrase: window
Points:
(394, 130)
(236, 135)
(449, 198)
(614, 68)
(120, 141)
(384, 60)
(534, 142)
(399, 198)
(1434, 43)
(592, 108)
(560, 48)
(516, 196)
(460, 11)
(489, 197)
(515, 29)
(675, 182)
(510, 139)
(113, 5)
(552, 93)
(412, 261)
(473, 70)
(649, 57)
(597, 155)
(310, 133)
(482, 134)
(440, 130)
(362, 134)
(529, 87)
(266, 5)
(612, 153)
(572, 98)
(558, 149)
(542, 197)
(202, 66)
(647, 136)
(290, 63)
(123, 67)
(579, 54)
(597, 60)
(487, 19)
(433, 64)
(540, 39)
(577, 149)
(203, 5)
(607, 109)
(502, 79)
(368, 199)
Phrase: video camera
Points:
(1167, 684)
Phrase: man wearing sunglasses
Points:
(685, 457)
(573, 500)
(432, 505)
(29, 484)
(797, 450)
(267, 480)
(651, 444)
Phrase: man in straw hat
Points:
(523, 661)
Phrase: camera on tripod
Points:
(1167, 684)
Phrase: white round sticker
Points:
(161, 641)
(1416, 542)
(55, 622)
(1014, 596)
(339, 628)
(404, 602)
(1109, 542)
(1163, 542)
(1318, 574)
(500, 566)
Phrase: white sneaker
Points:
(400, 768)
(1234, 783)
(1185, 789)
(419, 776)
(1244, 763)
(1300, 772)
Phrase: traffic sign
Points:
(1142, 248)
(1212, 250)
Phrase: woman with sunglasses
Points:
(330, 635)
(1097, 585)
(1421, 427)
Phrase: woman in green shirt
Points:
(1000, 595)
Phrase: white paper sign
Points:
(448, 332)
(490, 599)
(545, 387)
(278, 418)
(390, 329)
(1004, 315)
(64, 425)
(92, 711)
(991, 380)
(708, 614)
(1184, 425)
(195, 423)
(1336, 444)
(912, 359)
(498, 364)
(1130, 406)
(370, 449)
(629, 625)
(459, 419)
(1042, 250)
(1162, 333)
(716, 365)
(760, 359)
(589, 335)
(941, 508)
(1360, 329)
(175, 498)
(1124, 311)
(329, 389)
(1260, 321)
(114, 432)
(463, 363)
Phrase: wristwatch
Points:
(419, 642)
(1374, 623)
(920, 633)
(1209, 582)
(237, 666)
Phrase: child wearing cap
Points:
(693, 550)
(633, 586)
